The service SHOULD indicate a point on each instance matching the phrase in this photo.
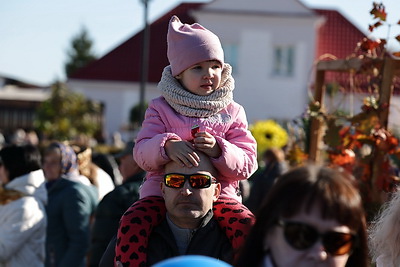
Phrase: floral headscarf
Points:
(69, 165)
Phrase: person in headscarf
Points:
(70, 207)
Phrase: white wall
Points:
(256, 26)
(257, 32)
(272, 6)
(118, 97)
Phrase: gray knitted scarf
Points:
(191, 105)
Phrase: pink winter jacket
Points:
(238, 160)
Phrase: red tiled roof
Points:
(337, 36)
(123, 62)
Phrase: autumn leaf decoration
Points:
(379, 15)
(378, 11)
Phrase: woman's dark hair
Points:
(20, 160)
(301, 188)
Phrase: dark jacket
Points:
(108, 214)
(70, 205)
(208, 240)
(262, 182)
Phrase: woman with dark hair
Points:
(313, 216)
(23, 197)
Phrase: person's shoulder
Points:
(157, 100)
(77, 187)
(234, 108)
(130, 186)
(72, 188)
(64, 184)
(29, 200)
(23, 202)
(26, 210)
(31, 206)
(129, 191)
(123, 191)
(161, 107)
(235, 104)
(159, 104)
(114, 194)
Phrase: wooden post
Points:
(385, 93)
(386, 90)
(316, 124)
(316, 129)
(391, 67)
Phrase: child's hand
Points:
(182, 152)
(206, 143)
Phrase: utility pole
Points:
(144, 60)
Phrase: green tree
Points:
(80, 52)
(67, 114)
(134, 116)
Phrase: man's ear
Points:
(217, 191)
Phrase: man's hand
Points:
(206, 143)
(182, 152)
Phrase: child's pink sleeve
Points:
(238, 160)
(149, 150)
(151, 186)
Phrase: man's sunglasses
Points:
(197, 180)
(302, 236)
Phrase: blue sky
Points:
(35, 35)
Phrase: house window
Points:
(231, 55)
(283, 61)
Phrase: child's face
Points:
(202, 78)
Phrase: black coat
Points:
(70, 205)
(109, 212)
(208, 240)
(262, 182)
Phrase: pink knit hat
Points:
(191, 44)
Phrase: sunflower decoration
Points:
(268, 134)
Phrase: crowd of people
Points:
(53, 215)
(311, 214)
(181, 186)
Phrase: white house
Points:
(270, 44)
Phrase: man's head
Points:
(186, 206)
(18, 160)
(59, 159)
(127, 164)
